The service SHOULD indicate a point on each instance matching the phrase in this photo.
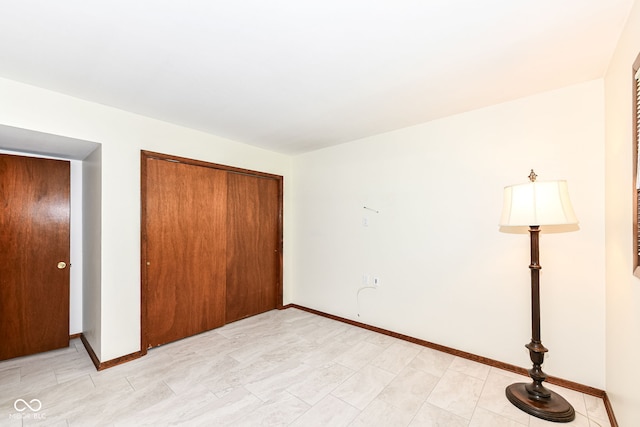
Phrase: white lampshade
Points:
(537, 203)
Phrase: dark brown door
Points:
(185, 217)
(34, 255)
(252, 245)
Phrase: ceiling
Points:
(294, 76)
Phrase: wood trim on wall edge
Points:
(109, 363)
(206, 164)
(470, 356)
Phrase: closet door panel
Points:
(253, 275)
(186, 241)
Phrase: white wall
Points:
(623, 289)
(92, 249)
(122, 136)
(448, 275)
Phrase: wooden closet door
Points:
(253, 259)
(185, 262)
(34, 255)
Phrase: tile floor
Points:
(281, 368)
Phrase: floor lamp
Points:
(535, 204)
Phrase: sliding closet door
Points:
(185, 219)
(253, 240)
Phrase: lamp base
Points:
(554, 408)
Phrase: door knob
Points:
(62, 265)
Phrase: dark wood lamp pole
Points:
(535, 398)
(540, 203)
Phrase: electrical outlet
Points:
(365, 280)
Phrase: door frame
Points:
(144, 156)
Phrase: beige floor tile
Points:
(469, 367)
(359, 355)
(396, 357)
(493, 396)
(279, 379)
(457, 393)
(223, 411)
(201, 371)
(325, 353)
(381, 340)
(409, 390)
(485, 418)
(319, 382)
(320, 332)
(97, 406)
(382, 414)
(353, 335)
(28, 384)
(363, 386)
(280, 412)
(280, 368)
(127, 403)
(330, 411)
(10, 375)
(580, 421)
(596, 411)
(430, 415)
(432, 361)
(172, 410)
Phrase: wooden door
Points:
(185, 217)
(253, 245)
(211, 246)
(34, 239)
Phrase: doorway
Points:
(85, 212)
